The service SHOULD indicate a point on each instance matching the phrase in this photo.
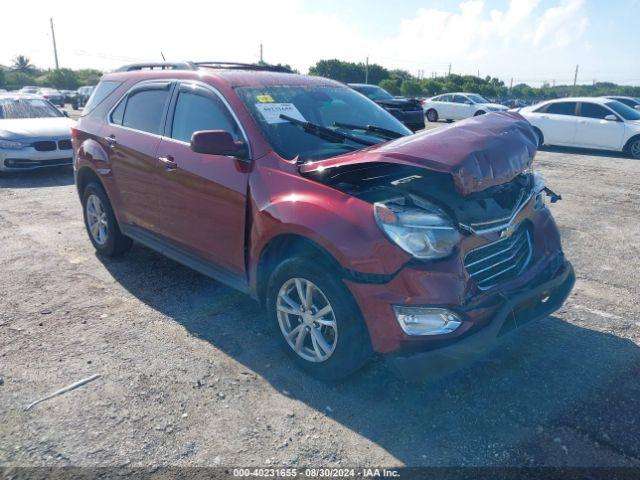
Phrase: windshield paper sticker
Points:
(271, 112)
(265, 98)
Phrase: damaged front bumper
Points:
(519, 308)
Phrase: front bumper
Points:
(519, 308)
(30, 159)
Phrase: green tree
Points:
(64, 78)
(88, 76)
(3, 79)
(349, 72)
(391, 85)
(23, 64)
(410, 88)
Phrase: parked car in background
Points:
(628, 101)
(29, 89)
(53, 95)
(407, 110)
(33, 133)
(586, 122)
(68, 96)
(457, 106)
(357, 235)
(82, 97)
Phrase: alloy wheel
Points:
(635, 149)
(307, 320)
(97, 220)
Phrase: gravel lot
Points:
(190, 374)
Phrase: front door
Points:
(203, 197)
(594, 131)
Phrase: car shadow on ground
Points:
(521, 405)
(46, 177)
(586, 151)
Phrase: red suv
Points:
(358, 236)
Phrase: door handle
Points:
(168, 162)
(111, 140)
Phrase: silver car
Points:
(33, 133)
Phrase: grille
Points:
(64, 144)
(501, 260)
(45, 146)
(25, 163)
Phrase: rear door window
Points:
(197, 109)
(561, 108)
(145, 108)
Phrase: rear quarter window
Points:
(102, 91)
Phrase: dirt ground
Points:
(190, 374)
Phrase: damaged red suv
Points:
(356, 235)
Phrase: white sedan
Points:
(598, 123)
(33, 133)
(456, 106)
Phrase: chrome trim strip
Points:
(502, 226)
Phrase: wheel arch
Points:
(84, 177)
(629, 142)
(282, 247)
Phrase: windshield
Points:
(27, 108)
(477, 99)
(321, 105)
(374, 93)
(624, 111)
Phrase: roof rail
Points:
(157, 66)
(244, 66)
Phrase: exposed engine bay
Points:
(376, 182)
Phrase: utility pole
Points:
(366, 71)
(261, 60)
(449, 69)
(575, 78)
(478, 73)
(511, 86)
(55, 49)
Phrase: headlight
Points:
(426, 321)
(421, 229)
(9, 144)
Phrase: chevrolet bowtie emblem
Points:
(507, 232)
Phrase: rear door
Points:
(443, 106)
(203, 197)
(132, 137)
(594, 131)
(558, 123)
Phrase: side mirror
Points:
(637, 107)
(468, 102)
(611, 118)
(217, 142)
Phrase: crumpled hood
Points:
(479, 152)
(28, 128)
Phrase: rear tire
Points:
(634, 149)
(345, 345)
(432, 115)
(101, 223)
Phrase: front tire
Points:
(101, 223)
(317, 320)
(432, 115)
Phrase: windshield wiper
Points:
(383, 132)
(326, 133)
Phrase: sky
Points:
(531, 41)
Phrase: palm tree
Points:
(23, 64)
